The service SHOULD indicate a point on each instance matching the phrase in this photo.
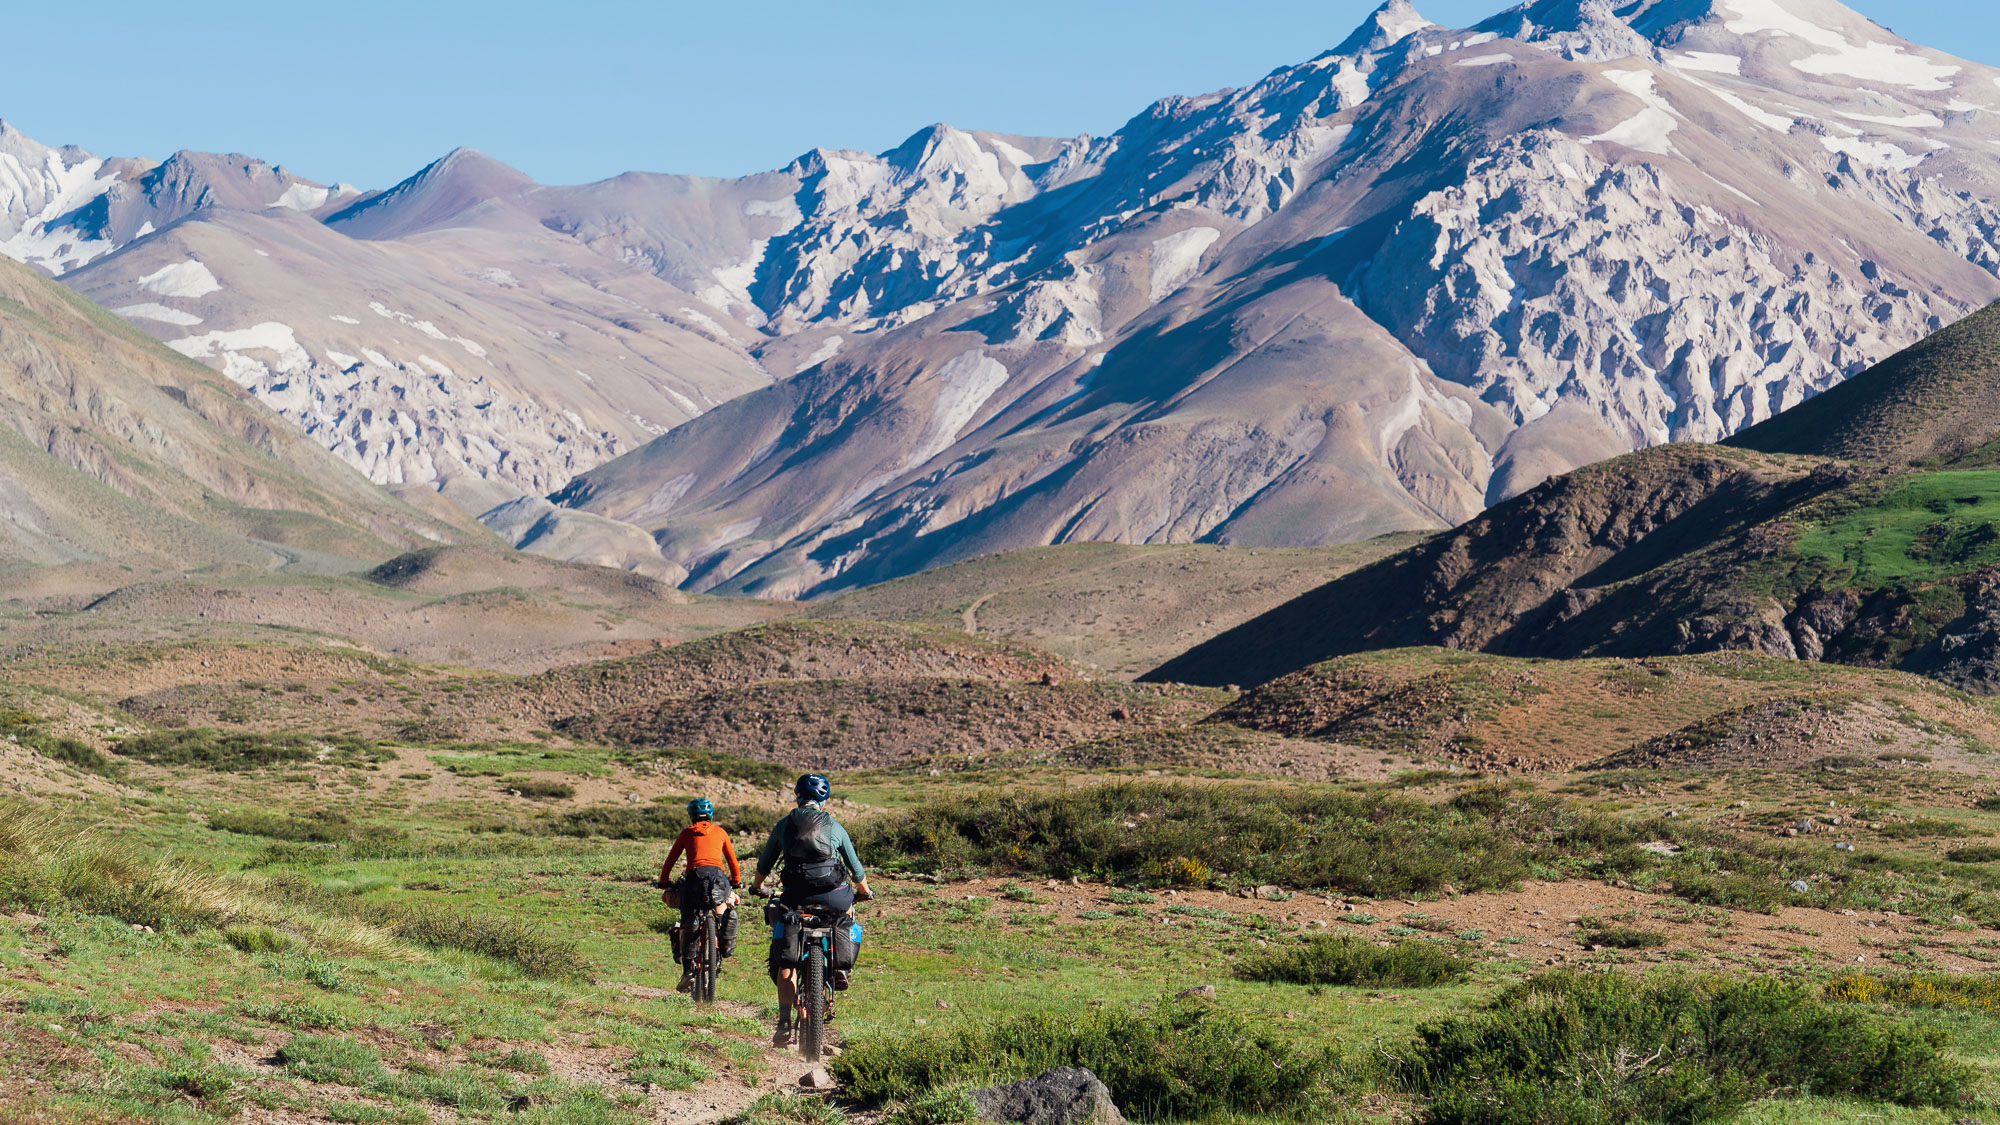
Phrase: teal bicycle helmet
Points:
(812, 787)
(701, 808)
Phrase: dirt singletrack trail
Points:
(726, 1094)
(971, 614)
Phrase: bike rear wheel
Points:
(812, 1002)
(703, 959)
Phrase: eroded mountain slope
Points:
(116, 450)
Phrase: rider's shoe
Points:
(687, 979)
(783, 1036)
(839, 981)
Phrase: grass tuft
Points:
(1343, 959)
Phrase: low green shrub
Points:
(1599, 1049)
(71, 752)
(1624, 937)
(1976, 853)
(331, 1058)
(258, 939)
(1347, 960)
(791, 1109)
(539, 788)
(1181, 1060)
(1374, 842)
(937, 1107)
(322, 827)
(25, 728)
(654, 822)
(235, 751)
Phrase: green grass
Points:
(1340, 959)
(1937, 525)
(1624, 937)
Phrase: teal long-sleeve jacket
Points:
(843, 846)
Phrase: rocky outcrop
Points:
(1064, 1096)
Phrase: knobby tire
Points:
(704, 973)
(812, 1029)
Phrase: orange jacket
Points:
(706, 845)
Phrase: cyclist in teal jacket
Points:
(816, 861)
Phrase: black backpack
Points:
(811, 863)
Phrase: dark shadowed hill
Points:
(1811, 536)
(1520, 578)
(1938, 400)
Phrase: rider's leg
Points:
(788, 996)
(688, 932)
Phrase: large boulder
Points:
(1067, 1095)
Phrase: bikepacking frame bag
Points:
(846, 944)
(789, 940)
(811, 864)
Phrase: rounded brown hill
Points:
(868, 722)
(1506, 714)
(1937, 400)
(1825, 729)
(452, 571)
(778, 652)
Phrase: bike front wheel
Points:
(812, 1001)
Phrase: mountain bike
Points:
(815, 975)
(703, 962)
(699, 943)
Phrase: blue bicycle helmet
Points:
(701, 808)
(812, 787)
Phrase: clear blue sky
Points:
(368, 91)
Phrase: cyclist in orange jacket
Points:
(712, 874)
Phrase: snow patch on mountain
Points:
(1884, 63)
(182, 279)
(1176, 258)
(150, 310)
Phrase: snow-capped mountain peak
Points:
(1385, 27)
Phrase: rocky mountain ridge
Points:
(1378, 290)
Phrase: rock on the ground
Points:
(1200, 991)
(1064, 1096)
(816, 1079)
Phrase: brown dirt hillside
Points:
(451, 571)
(869, 722)
(814, 691)
(481, 609)
(1503, 714)
(1116, 607)
(780, 651)
(1827, 729)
